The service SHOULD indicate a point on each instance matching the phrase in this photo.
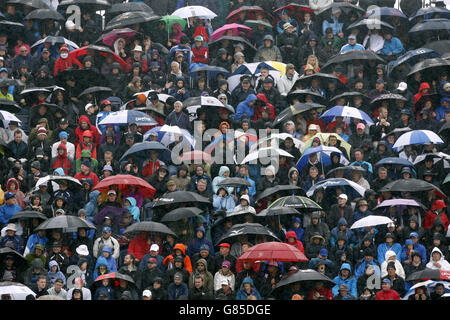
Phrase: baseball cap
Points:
(63, 134)
(111, 192)
(343, 196)
(360, 126)
(108, 167)
(45, 50)
(287, 25)
(70, 24)
(323, 252)
(88, 106)
(387, 281)
(225, 245)
(198, 38)
(413, 235)
(154, 247)
(106, 230)
(170, 183)
(152, 260)
(224, 282)
(147, 293)
(402, 86)
(9, 195)
(63, 121)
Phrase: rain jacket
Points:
(196, 243)
(86, 154)
(112, 265)
(139, 247)
(387, 295)
(52, 276)
(208, 278)
(423, 86)
(133, 209)
(175, 292)
(361, 268)
(445, 266)
(349, 235)
(332, 23)
(101, 261)
(219, 179)
(92, 207)
(62, 64)
(7, 211)
(244, 108)
(383, 248)
(394, 45)
(430, 216)
(398, 266)
(350, 281)
(298, 244)
(187, 260)
(243, 295)
(258, 110)
(264, 53)
(298, 232)
(91, 128)
(91, 147)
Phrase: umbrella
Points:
(181, 213)
(149, 226)
(194, 11)
(305, 275)
(438, 156)
(370, 221)
(28, 214)
(347, 113)
(346, 168)
(143, 146)
(127, 19)
(437, 65)
(253, 68)
(388, 97)
(247, 45)
(295, 109)
(347, 95)
(44, 14)
(118, 8)
(124, 180)
(394, 161)
(65, 222)
(233, 182)
(417, 137)
(71, 181)
(324, 138)
(35, 4)
(440, 46)
(254, 24)
(411, 185)
(352, 55)
(429, 12)
(115, 275)
(324, 156)
(322, 77)
(384, 12)
(6, 117)
(94, 5)
(16, 290)
(247, 229)
(431, 25)
(370, 24)
(398, 202)
(195, 156)
(336, 182)
(7, 82)
(266, 153)
(249, 10)
(301, 95)
(264, 142)
(235, 27)
(346, 7)
(177, 197)
(211, 71)
(297, 202)
(276, 191)
(167, 137)
(427, 273)
(20, 261)
(396, 132)
(447, 179)
(294, 9)
(35, 90)
(192, 104)
(95, 90)
(55, 40)
(170, 20)
(429, 285)
(278, 211)
(273, 251)
(446, 126)
(161, 96)
(99, 50)
(126, 117)
(412, 57)
(9, 105)
(110, 37)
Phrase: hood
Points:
(346, 266)
(438, 204)
(292, 169)
(262, 97)
(367, 237)
(297, 219)
(202, 229)
(342, 222)
(51, 264)
(423, 86)
(205, 263)
(223, 95)
(248, 280)
(101, 261)
(251, 97)
(60, 171)
(85, 153)
(63, 146)
(438, 222)
(132, 201)
(222, 170)
(93, 196)
(37, 264)
(436, 249)
(291, 234)
(12, 181)
(84, 118)
(414, 218)
(181, 247)
(389, 254)
(107, 249)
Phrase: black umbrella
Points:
(119, 8)
(149, 226)
(233, 182)
(351, 94)
(276, 190)
(180, 197)
(346, 168)
(445, 127)
(65, 222)
(299, 202)
(370, 24)
(10, 106)
(297, 108)
(430, 11)
(150, 109)
(44, 14)
(433, 65)
(306, 275)
(7, 82)
(19, 259)
(352, 55)
(13, 29)
(247, 45)
(278, 211)
(322, 77)
(181, 213)
(431, 25)
(247, 229)
(94, 90)
(301, 96)
(427, 273)
(71, 181)
(82, 77)
(399, 131)
(346, 8)
(35, 4)
(144, 146)
(35, 90)
(411, 185)
(440, 46)
(389, 97)
(95, 5)
(28, 214)
(130, 18)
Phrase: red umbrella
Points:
(294, 9)
(250, 10)
(114, 275)
(123, 180)
(273, 251)
(195, 155)
(104, 51)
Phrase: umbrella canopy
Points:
(34, 4)
(394, 161)
(324, 156)
(16, 290)
(195, 156)
(28, 214)
(398, 202)
(254, 24)
(276, 190)
(297, 202)
(323, 78)
(194, 11)
(412, 57)
(71, 181)
(19, 260)
(124, 180)
(265, 153)
(249, 10)
(273, 140)
(294, 9)
(388, 97)
(233, 182)
(118, 8)
(417, 137)
(7, 82)
(431, 24)
(278, 211)
(381, 12)
(433, 64)
(177, 197)
(324, 138)
(247, 45)
(346, 168)
(438, 156)
(100, 50)
(181, 213)
(370, 24)
(350, 94)
(128, 19)
(65, 222)
(96, 90)
(170, 134)
(346, 7)
(149, 226)
(440, 46)
(247, 229)
(305, 275)
(9, 106)
(95, 5)
(411, 185)
(429, 285)
(301, 95)
(44, 14)
(170, 20)
(142, 147)
(432, 274)
(194, 103)
(126, 117)
(273, 251)
(370, 221)
(347, 113)
(110, 37)
(6, 117)
(351, 55)
(429, 12)
(115, 275)
(55, 40)
(336, 182)
(211, 72)
(236, 28)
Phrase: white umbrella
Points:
(370, 221)
(194, 11)
(417, 137)
(6, 117)
(18, 291)
(265, 153)
(44, 180)
(282, 136)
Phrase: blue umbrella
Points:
(427, 13)
(324, 155)
(353, 190)
(168, 137)
(384, 12)
(144, 146)
(412, 57)
(210, 147)
(346, 112)
(394, 160)
(430, 286)
(126, 117)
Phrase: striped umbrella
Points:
(324, 155)
(336, 182)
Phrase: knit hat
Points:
(42, 130)
(86, 163)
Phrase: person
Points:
(437, 261)
(345, 277)
(177, 288)
(40, 288)
(386, 293)
(247, 291)
(352, 44)
(57, 289)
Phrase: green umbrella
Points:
(254, 24)
(171, 20)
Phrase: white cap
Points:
(391, 224)
(146, 293)
(343, 196)
(137, 48)
(224, 282)
(88, 106)
(154, 247)
(313, 127)
(402, 86)
(83, 250)
(70, 24)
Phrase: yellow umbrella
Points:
(280, 66)
(323, 137)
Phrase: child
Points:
(55, 273)
(105, 290)
(107, 254)
(130, 205)
(101, 267)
